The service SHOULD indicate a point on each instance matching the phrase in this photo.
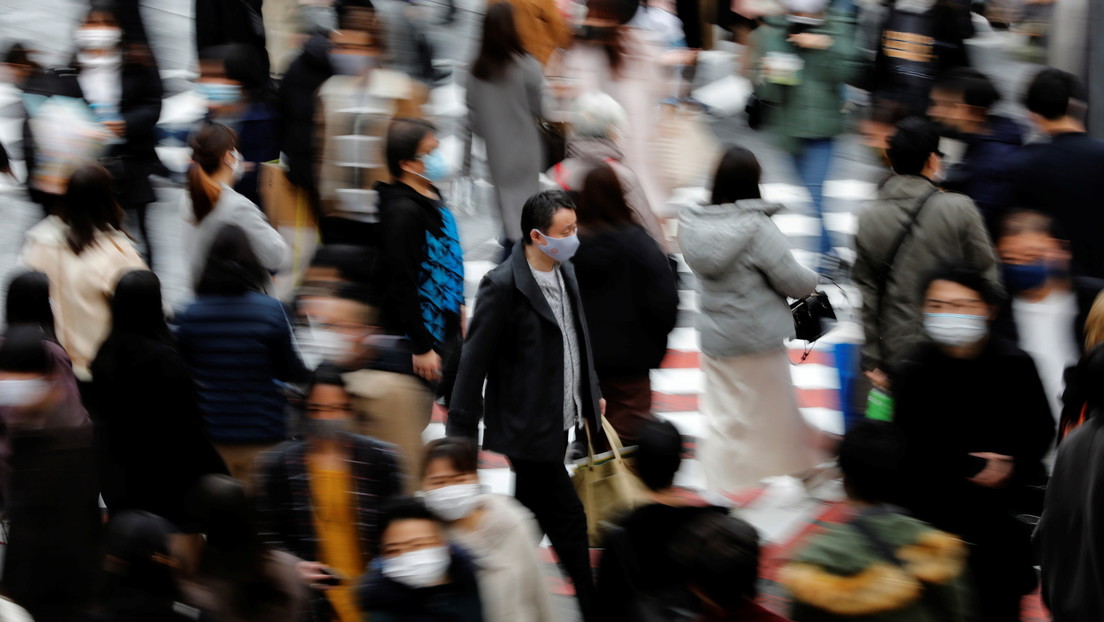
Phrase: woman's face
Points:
(441, 472)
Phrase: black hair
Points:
(1050, 93)
(404, 508)
(327, 374)
(500, 44)
(232, 268)
(602, 200)
(871, 457)
(350, 12)
(354, 263)
(719, 555)
(89, 206)
(912, 144)
(540, 209)
(28, 303)
(955, 271)
(243, 64)
(139, 583)
(24, 351)
(1090, 377)
(1023, 220)
(975, 87)
(210, 144)
(459, 451)
(737, 177)
(404, 136)
(137, 308)
(658, 454)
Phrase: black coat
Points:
(298, 99)
(515, 344)
(149, 430)
(630, 295)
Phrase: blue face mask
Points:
(1025, 277)
(219, 93)
(350, 64)
(436, 168)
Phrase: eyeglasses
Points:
(317, 409)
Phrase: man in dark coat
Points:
(528, 340)
(298, 96)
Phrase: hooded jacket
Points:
(745, 273)
(982, 173)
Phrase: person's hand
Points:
(428, 365)
(602, 406)
(811, 41)
(463, 321)
(313, 575)
(878, 378)
(117, 128)
(997, 471)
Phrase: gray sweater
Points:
(234, 209)
(745, 272)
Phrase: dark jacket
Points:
(298, 98)
(285, 502)
(231, 21)
(515, 344)
(236, 348)
(386, 600)
(258, 131)
(630, 296)
(149, 430)
(982, 174)
(1063, 178)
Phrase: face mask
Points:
(23, 392)
(1025, 277)
(318, 345)
(418, 569)
(560, 249)
(436, 168)
(219, 93)
(328, 429)
(99, 61)
(237, 167)
(956, 329)
(453, 502)
(350, 64)
(97, 38)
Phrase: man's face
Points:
(951, 297)
(428, 145)
(1028, 247)
(951, 112)
(407, 536)
(564, 224)
(348, 321)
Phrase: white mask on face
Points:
(97, 38)
(23, 392)
(418, 569)
(237, 167)
(452, 503)
(956, 329)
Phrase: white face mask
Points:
(237, 167)
(318, 345)
(418, 569)
(23, 392)
(97, 38)
(454, 502)
(956, 329)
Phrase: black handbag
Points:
(554, 139)
(756, 111)
(813, 316)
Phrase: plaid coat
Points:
(286, 507)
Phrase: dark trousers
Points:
(546, 489)
(628, 404)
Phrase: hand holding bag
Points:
(813, 316)
(605, 483)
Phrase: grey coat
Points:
(234, 209)
(504, 114)
(745, 272)
(949, 228)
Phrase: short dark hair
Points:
(28, 303)
(658, 453)
(912, 144)
(955, 271)
(404, 136)
(871, 457)
(137, 307)
(404, 508)
(975, 87)
(602, 200)
(89, 206)
(1050, 93)
(719, 554)
(353, 262)
(232, 268)
(1020, 221)
(540, 209)
(24, 351)
(461, 452)
(737, 177)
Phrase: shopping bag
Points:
(606, 484)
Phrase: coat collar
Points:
(527, 284)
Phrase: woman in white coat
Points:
(500, 533)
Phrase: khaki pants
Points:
(239, 459)
(393, 408)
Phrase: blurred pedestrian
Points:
(320, 499)
(802, 61)
(219, 23)
(638, 580)
(962, 102)
(745, 273)
(1061, 177)
(630, 295)
(896, 567)
(420, 575)
(216, 165)
(540, 27)
(504, 99)
(241, 578)
(52, 509)
(147, 463)
(597, 124)
(905, 234)
(27, 302)
(84, 252)
(530, 344)
(499, 533)
(297, 101)
(970, 461)
(238, 346)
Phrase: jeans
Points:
(812, 161)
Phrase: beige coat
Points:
(81, 286)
